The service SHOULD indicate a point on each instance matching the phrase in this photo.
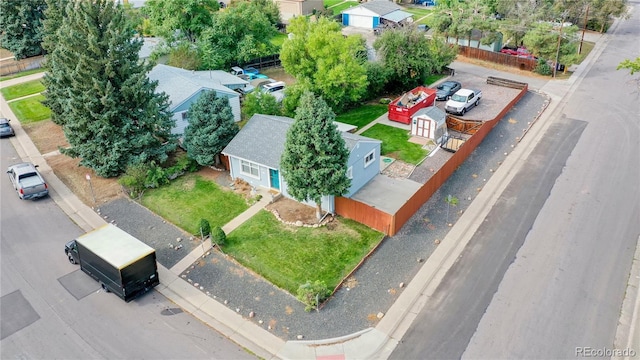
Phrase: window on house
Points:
(350, 172)
(249, 168)
(369, 158)
(185, 115)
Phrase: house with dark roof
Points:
(254, 156)
(374, 13)
(184, 87)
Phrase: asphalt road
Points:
(49, 309)
(546, 273)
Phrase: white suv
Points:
(274, 86)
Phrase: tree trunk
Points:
(319, 210)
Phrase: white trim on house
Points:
(350, 172)
(251, 166)
(370, 158)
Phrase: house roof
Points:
(263, 138)
(381, 7)
(180, 84)
(396, 16)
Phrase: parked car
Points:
(274, 86)
(27, 181)
(462, 101)
(5, 128)
(446, 89)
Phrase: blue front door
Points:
(274, 179)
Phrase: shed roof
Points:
(263, 138)
(180, 84)
(433, 112)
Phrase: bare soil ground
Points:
(48, 137)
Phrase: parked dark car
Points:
(446, 89)
(5, 128)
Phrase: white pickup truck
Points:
(462, 101)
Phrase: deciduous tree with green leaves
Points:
(543, 38)
(331, 64)
(314, 161)
(260, 102)
(21, 26)
(238, 34)
(112, 116)
(180, 19)
(211, 128)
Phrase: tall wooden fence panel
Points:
(12, 66)
(365, 214)
(498, 58)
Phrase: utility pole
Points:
(586, 18)
(555, 64)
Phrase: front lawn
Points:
(330, 3)
(288, 256)
(30, 110)
(190, 198)
(24, 89)
(395, 143)
(362, 115)
(420, 15)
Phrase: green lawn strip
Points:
(278, 40)
(330, 3)
(362, 115)
(21, 74)
(419, 15)
(288, 256)
(395, 143)
(190, 198)
(24, 89)
(344, 6)
(431, 79)
(30, 110)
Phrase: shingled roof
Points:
(381, 7)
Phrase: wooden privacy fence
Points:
(391, 224)
(521, 63)
(12, 66)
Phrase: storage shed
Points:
(431, 123)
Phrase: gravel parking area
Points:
(375, 286)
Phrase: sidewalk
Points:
(370, 343)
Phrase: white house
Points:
(371, 14)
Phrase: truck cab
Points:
(71, 249)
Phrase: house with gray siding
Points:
(184, 87)
(254, 156)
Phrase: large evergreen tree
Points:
(314, 161)
(110, 113)
(21, 26)
(211, 128)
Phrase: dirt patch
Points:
(278, 73)
(292, 211)
(46, 135)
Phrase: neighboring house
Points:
(184, 87)
(254, 156)
(431, 123)
(373, 14)
(292, 8)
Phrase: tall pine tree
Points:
(21, 26)
(211, 128)
(110, 113)
(314, 161)
(59, 64)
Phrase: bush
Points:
(312, 294)
(205, 227)
(218, 237)
(134, 179)
(543, 68)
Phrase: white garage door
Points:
(360, 21)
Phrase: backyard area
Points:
(362, 115)
(395, 143)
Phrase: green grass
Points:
(30, 110)
(344, 6)
(419, 13)
(395, 143)
(289, 256)
(190, 198)
(21, 74)
(362, 115)
(431, 79)
(330, 3)
(279, 39)
(24, 89)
